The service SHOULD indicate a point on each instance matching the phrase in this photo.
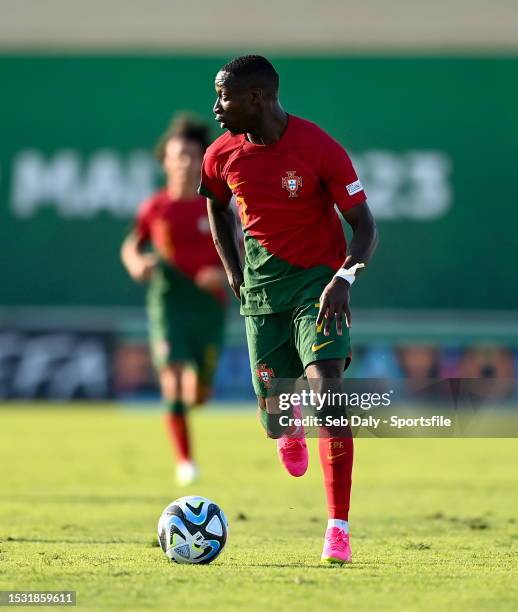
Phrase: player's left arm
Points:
(343, 184)
(334, 301)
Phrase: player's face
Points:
(235, 108)
(182, 160)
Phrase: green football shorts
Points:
(186, 324)
(282, 344)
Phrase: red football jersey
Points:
(286, 192)
(179, 231)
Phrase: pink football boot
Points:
(292, 449)
(336, 546)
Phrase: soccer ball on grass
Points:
(192, 530)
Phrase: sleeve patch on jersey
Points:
(353, 188)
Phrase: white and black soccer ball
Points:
(192, 529)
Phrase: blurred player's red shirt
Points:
(179, 231)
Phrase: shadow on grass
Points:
(20, 540)
(86, 499)
(301, 565)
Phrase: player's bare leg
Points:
(336, 459)
(194, 392)
(174, 394)
(197, 385)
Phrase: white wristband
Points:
(349, 274)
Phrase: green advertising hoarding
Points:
(435, 141)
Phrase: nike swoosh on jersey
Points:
(234, 185)
(317, 347)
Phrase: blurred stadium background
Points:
(424, 95)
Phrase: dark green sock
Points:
(263, 417)
(271, 424)
(175, 407)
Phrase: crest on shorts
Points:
(292, 183)
(264, 374)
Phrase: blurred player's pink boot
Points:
(336, 546)
(292, 449)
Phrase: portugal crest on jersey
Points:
(264, 374)
(292, 183)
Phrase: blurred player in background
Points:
(287, 175)
(171, 248)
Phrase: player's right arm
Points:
(221, 218)
(224, 233)
(140, 265)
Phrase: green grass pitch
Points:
(81, 489)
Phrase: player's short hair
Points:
(254, 71)
(184, 125)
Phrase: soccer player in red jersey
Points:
(287, 174)
(186, 296)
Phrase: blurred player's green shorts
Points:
(282, 344)
(186, 324)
